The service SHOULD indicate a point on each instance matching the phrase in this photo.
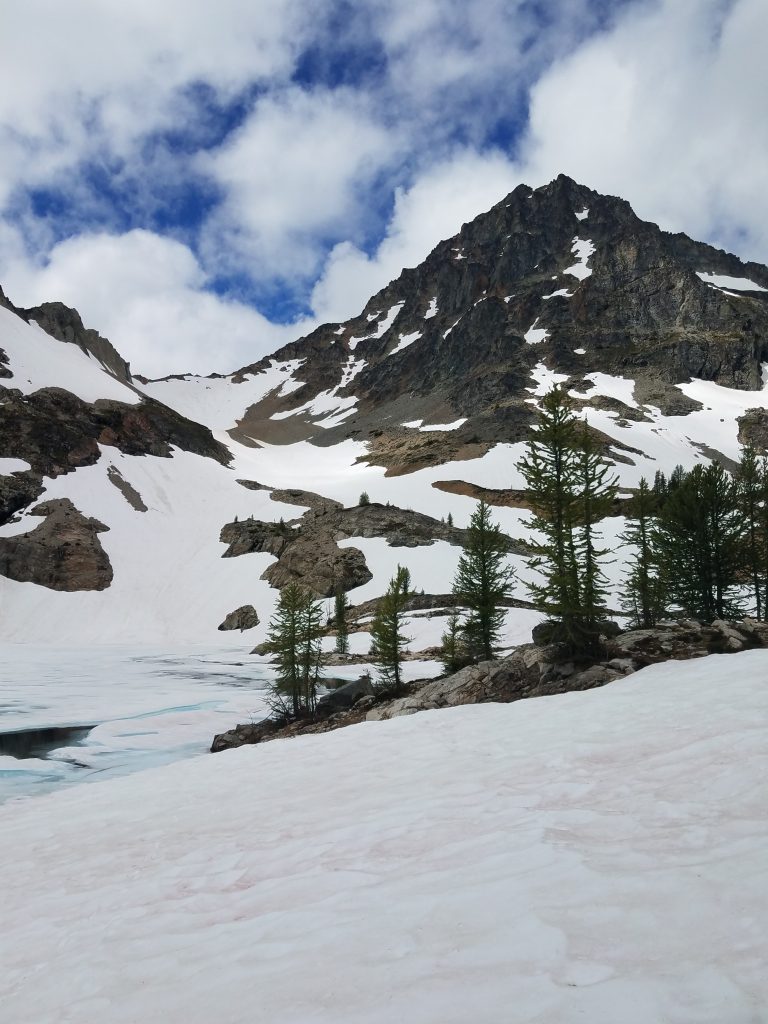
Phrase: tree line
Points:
(698, 542)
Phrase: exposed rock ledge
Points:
(62, 553)
(530, 671)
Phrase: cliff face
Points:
(561, 278)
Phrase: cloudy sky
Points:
(205, 181)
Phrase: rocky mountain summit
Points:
(559, 279)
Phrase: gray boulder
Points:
(244, 617)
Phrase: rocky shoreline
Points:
(530, 670)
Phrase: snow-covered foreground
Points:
(596, 856)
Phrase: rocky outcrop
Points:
(306, 548)
(533, 671)
(314, 559)
(56, 432)
(127, 489)
(242, 618)
(753, 430)
(530, 671)
(62, 553)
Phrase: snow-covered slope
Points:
(596, 856)
(36, 360)
(420, 400)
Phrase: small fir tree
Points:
(449, 520)
(751, 493)
(454, 654)
(364, 499)
(340, 621)
(701, 539)
(388, 642)
(645, 597)
(294, 641)
(482, 582)
(570, 488)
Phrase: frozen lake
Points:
(148, 706)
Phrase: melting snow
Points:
(8, 466)
(582, 249)
(444, 426)
(582, 214)
(535, 335)
(388, 320)
(722, 281)
(561, 291)
(580, 351)
(405, 341)
(432, 311)
(545, 379)
(620, 388)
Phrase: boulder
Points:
(62, 553)
(249, 732)
(346, 696)
(242, 618)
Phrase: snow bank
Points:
(595, 856)
(39, 361)
(722, 281)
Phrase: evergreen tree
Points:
(449, 520)
(645, 598)
(364, 499)
(388, 641)
(570, 489)
(454, 654)
(762, 556)
(482, 582)
(701, 541)
(597, 491)
(294, 641)
(751, 487)
(340, 621)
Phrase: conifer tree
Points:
(701, 541)
(482, 582)
(340, 621)
(388, 642)
(645, 597)
(294, 641)
(751, 487)
(570, 489)
(454, 654)
(597, 490)
(762, 556)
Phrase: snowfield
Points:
(596, 856)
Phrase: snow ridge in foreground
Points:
(592, 856)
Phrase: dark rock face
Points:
(642, 313)
(242, 618)
(753, 429)
(62, 553)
